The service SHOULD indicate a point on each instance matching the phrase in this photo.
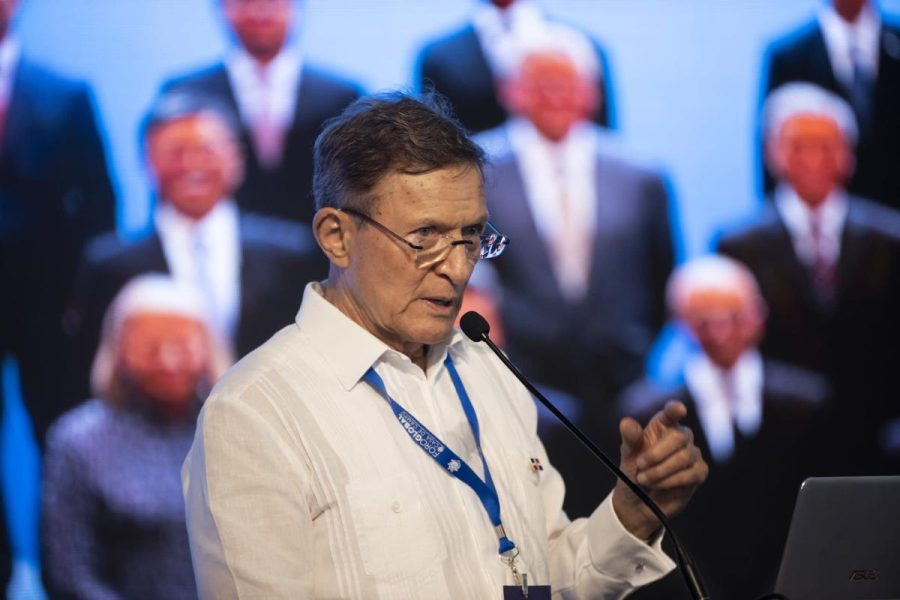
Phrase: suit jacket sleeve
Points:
(87, 166)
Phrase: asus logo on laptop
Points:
(863, 575)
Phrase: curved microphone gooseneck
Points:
(476, 329)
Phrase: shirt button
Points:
(395, 507)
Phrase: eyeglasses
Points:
(431, 246)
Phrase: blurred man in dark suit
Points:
(828, 265)
(582, 298)
(282, 101)
(747, 413)
(55, 193)
(250, 269)
(849, 50)
(466, 65)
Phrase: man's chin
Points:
(437, 332)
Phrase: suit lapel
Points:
(853, 244)
(692, 422)
(476, 59)
(783, 253)
(156, 256)
(516, 216)
(20, 116)
(220, 86)
(821, 66)
(608, 219)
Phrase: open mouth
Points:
(443, 303)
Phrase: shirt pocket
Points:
(396, 530)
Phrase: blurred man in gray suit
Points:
(582, 297)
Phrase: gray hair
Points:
(710, 272)
(175, 105)
(392, 132)
(158, 294)
(800, 98)
(552, 38)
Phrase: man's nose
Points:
(193, 158)
(457, 265)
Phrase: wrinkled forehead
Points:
(416, 188)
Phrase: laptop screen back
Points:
(844, 541)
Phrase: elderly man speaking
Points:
(314, 472)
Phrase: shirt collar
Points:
(167, 218)
(796, 213)
(579, 144)
(491, 21)
(285, 65)
(841, 38)
(867, 23)
(704, 379)
(349, 349)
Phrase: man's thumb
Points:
(632, 436)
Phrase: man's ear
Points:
(848, 164)
(332, 230)
(510, 94)
(773, 156)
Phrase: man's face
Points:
(552, 94)
(725, 323)
(405, 305)
(262, 26)
(811, 154)
(195, 163)
(849, 9)
(165, 356)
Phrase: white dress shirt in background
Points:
(215, 271)
(798, 216)
(266, 96)
(727, 400)
(499, 29)
(847, 42)
(554, 175)
(302, 484)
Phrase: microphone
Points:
(476, 329)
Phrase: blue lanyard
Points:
(447, 458)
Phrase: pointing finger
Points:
(670, 415)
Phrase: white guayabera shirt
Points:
(301, 483)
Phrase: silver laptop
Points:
(844, 541)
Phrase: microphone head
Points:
(474, 326)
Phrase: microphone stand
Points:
(686, 565)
